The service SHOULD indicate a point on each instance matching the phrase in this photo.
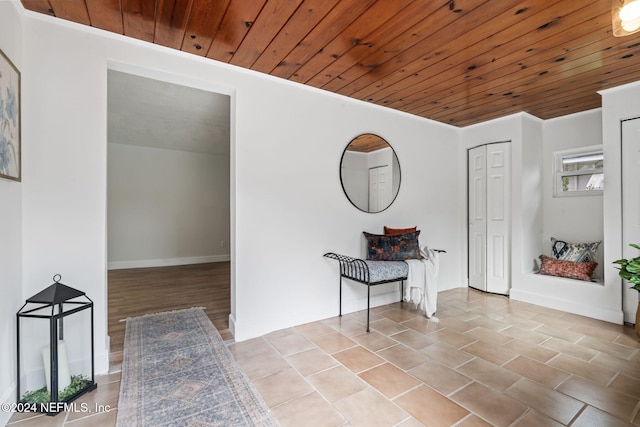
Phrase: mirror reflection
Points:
(370, 173)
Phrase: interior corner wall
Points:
(166, 207)
(10, 230)
(618, 104)
(531, 200)
(287, 204)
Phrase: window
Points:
(579, 172)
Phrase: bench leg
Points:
(368, 304)
(401, 291)
(340, 312)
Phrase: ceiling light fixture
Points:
(625, 17)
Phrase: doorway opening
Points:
(168, 200)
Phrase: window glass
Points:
(579, 172)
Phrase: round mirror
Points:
(370, 173)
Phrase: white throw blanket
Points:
(422, 282)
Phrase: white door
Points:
(489, 217)
(630, 206)
(477, 217)
(379, 188)
(498, 217)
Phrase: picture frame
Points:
(10, 120)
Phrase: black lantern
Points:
(55, 303)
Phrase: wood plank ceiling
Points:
(455, 61)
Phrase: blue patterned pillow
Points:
(395, 247)
(578, 252)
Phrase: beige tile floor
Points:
(489, 361)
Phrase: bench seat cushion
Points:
(381, 271)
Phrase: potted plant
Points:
(630, 271)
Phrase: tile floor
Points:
(489, 361)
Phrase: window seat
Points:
(590, 299)
(559, 279)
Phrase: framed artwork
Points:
(10, 146)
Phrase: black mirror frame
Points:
(395, 155)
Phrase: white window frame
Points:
(558, 173)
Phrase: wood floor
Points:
(138, 291)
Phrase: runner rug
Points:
(176, 371)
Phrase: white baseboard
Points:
(232, 324)
(608, 315)
(165, 262)
(101, 363)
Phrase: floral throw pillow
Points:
(569, 269)
(395, 247)
(578, 252)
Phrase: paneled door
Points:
(630, 206)
(490, 217)
(379, 188)
(477, 217)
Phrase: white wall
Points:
(309, 215)
(573, 219)
(10, 229)
(166, 207)
(287, 205)
(617, 104)
(530, 181)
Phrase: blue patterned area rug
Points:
(176, 371)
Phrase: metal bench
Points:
(370, 273)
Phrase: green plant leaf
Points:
(633, 268)
(625, 275)
(78, 382)
(629, 269)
